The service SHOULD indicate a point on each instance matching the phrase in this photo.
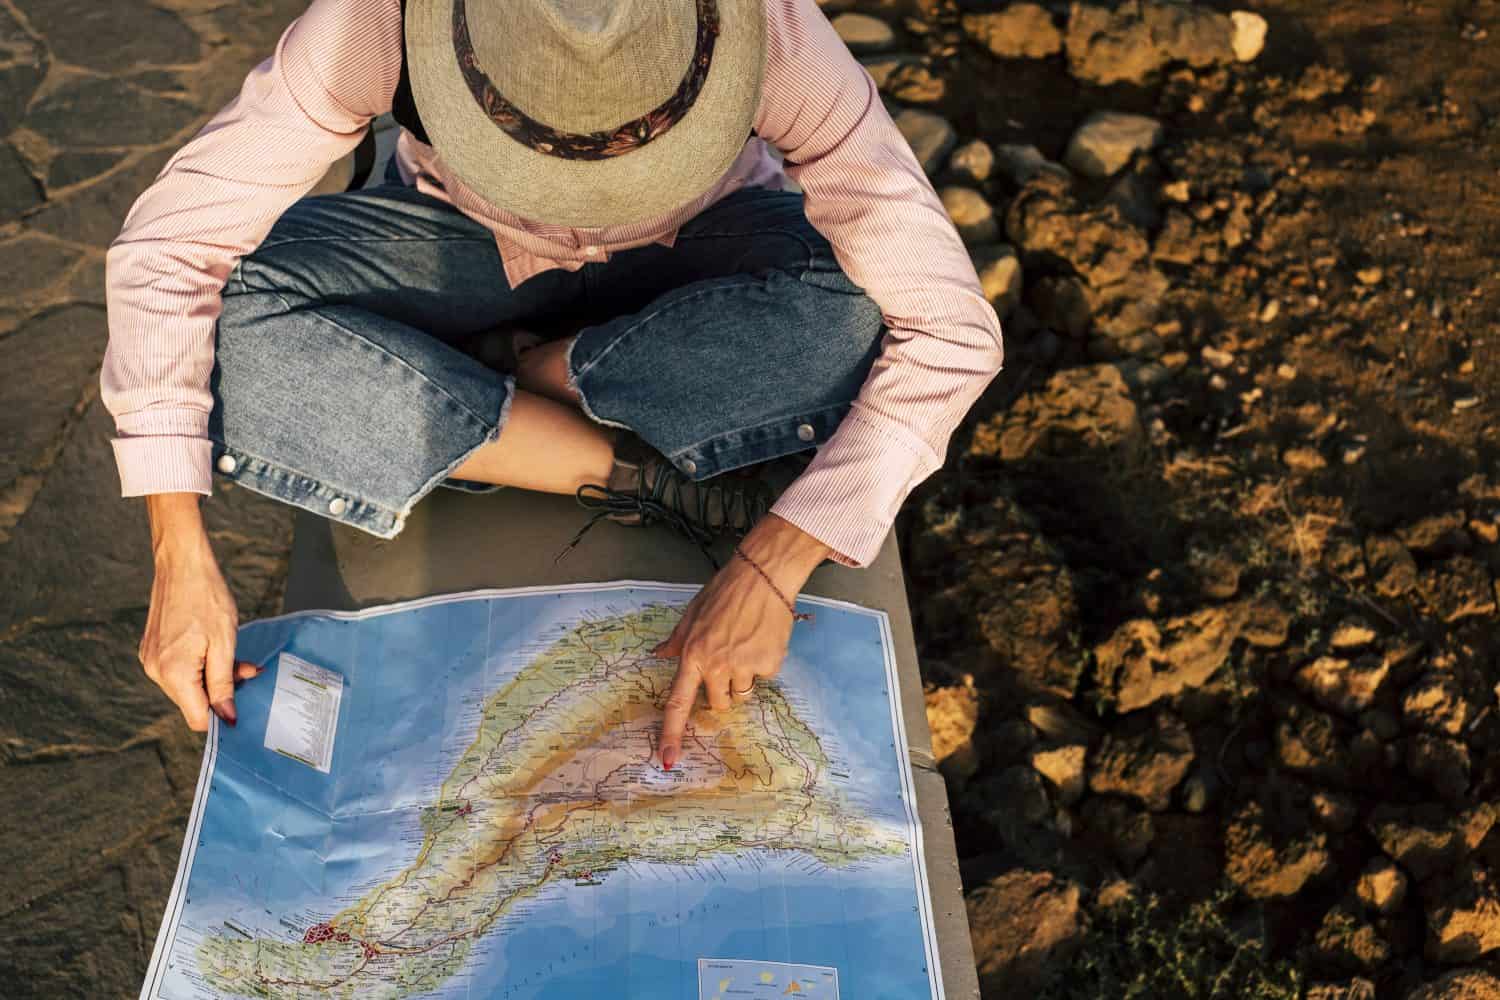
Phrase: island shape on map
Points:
(559, 783)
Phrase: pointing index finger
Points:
(679, 706)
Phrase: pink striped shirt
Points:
(336, 67)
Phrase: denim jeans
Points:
(340, 387)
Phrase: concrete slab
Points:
(456, 541)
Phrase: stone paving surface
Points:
(96, 768)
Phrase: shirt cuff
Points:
(164, 464)
(850, 493)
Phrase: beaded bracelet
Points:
(797, 616)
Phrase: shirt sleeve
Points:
(866, 193)
(306, 105)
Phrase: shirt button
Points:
(805, 432)
(689, 466)
(337, 506)
(227, 463)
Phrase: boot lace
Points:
(667, 502)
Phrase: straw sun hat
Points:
(587, 113)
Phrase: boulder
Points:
(930, 136)
(1143, 758)
(973, 162)
(1460, 984)
(1023, 924)
(1248, 35)
(1266, 866)
(863, 33)
(971, 214)
(1000, 277)
(1463, 916)
(1107, 140)
(1020, 31)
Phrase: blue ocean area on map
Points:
(278, 847)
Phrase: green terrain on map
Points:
(559, 785)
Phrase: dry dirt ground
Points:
(1206, 593)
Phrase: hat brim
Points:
(650, 181)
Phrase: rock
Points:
(71, 167)
(930, 136)
(1080, 412)
(915, 83)
(1004, 589)
(1134, 194)
(1019, 164)
(1346, 942)
(1308, 743)
(1357, 988)
(1393, 569)
(1303, 459)
(1437, 704)
(1129, 43)
(1350, 635)
(1249, 35)
(60, 352)
(1463, 917)
(1063, 767)
(1458, 588)
(1332, 811)
(1107, 140)
(1460, 984)
(952, 713)
(1062, 303)
(19, 190)
(1143, 758)
(999, 271)
(1429, 839)
(1117, 828)
(76, 31)
(95, 214)
(1020, 31)
(1382, 886)
(1144, 662)
(25, 62)
(99, 111)
(32, 264)
(1269, 867)
(1023, 925)
(1015, 795)
(973, 162)
(1060, 722)
(882, 67)
(1340, 685)
(1441, 763)
(972, 216)
(1436, 535)
(863, 33)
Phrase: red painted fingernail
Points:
(667, 760)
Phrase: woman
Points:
(602, 164)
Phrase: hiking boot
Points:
(644, 488)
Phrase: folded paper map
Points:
(462, 796)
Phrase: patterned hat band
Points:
(625, 138)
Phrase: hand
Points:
(736, 628)
(188, 646)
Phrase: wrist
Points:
(786, 552)
(177, 531)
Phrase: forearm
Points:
(177, 531)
